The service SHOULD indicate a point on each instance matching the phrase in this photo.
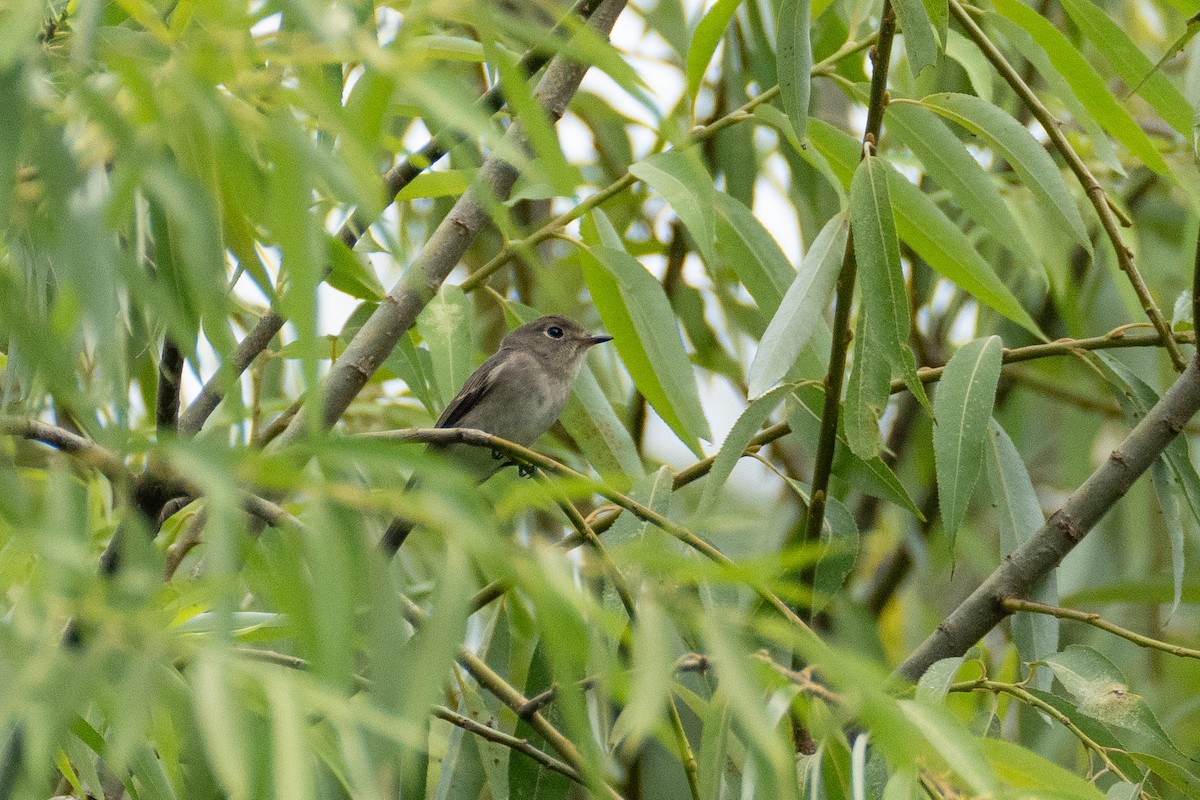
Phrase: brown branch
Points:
(1096, 195)
(1030, 562)
(511, 742)
(844, 296)
(1013, 605)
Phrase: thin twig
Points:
(510, 696)
(1032, 700)
(1013, 605)
(507, 740)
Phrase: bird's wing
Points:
(475, 389)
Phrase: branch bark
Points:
(1030, 562)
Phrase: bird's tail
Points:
(398, 531)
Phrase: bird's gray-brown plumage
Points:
(517, 394)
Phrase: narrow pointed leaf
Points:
(963, 405)
(705, 39)
(1019, 517)
(1023, 153)
(752, 253)
(637, 313)
(793, 50)
(682, 180)
(802, 309)
(1086, 83)
(877, 248)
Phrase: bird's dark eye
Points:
(554, 332)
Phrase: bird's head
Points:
(553, 340)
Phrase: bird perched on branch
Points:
(517, 394)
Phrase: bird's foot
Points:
(526, 470)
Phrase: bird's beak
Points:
(594, 340)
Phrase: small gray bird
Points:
(517, 394)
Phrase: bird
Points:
(517, 394)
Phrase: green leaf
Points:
(840, 541)
(748, 424)
(922, 45)
(1086, 83)
(973, 62)
(445, 326)
(350, 275)
(680, 177)
(637, 313)
(802, 309)
(549, 161)
(1101, 692)
(653, 668)
(961, 751)
(877, 248)
(1177, 775)
(752, 253)
(1024, 769)
(1130, 63)
(793, 50)
(1019, 517)
(947, 161)
(867, 392)
(871, 476)
(1023, 153)
(449, 48)
(436, 183)
(962, 407)
(924, 228)
(934, 685)
(705, 39)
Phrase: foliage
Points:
(719, 579)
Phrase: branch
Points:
(170, 375)
(85, 450)
(248, 349)
(512, 742)
(113, 467)
(1021, 570)
(844, 297)
(398, 310)
(524, 455)
(1091, 187)
(1013, 605)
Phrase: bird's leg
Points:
(526, 470)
